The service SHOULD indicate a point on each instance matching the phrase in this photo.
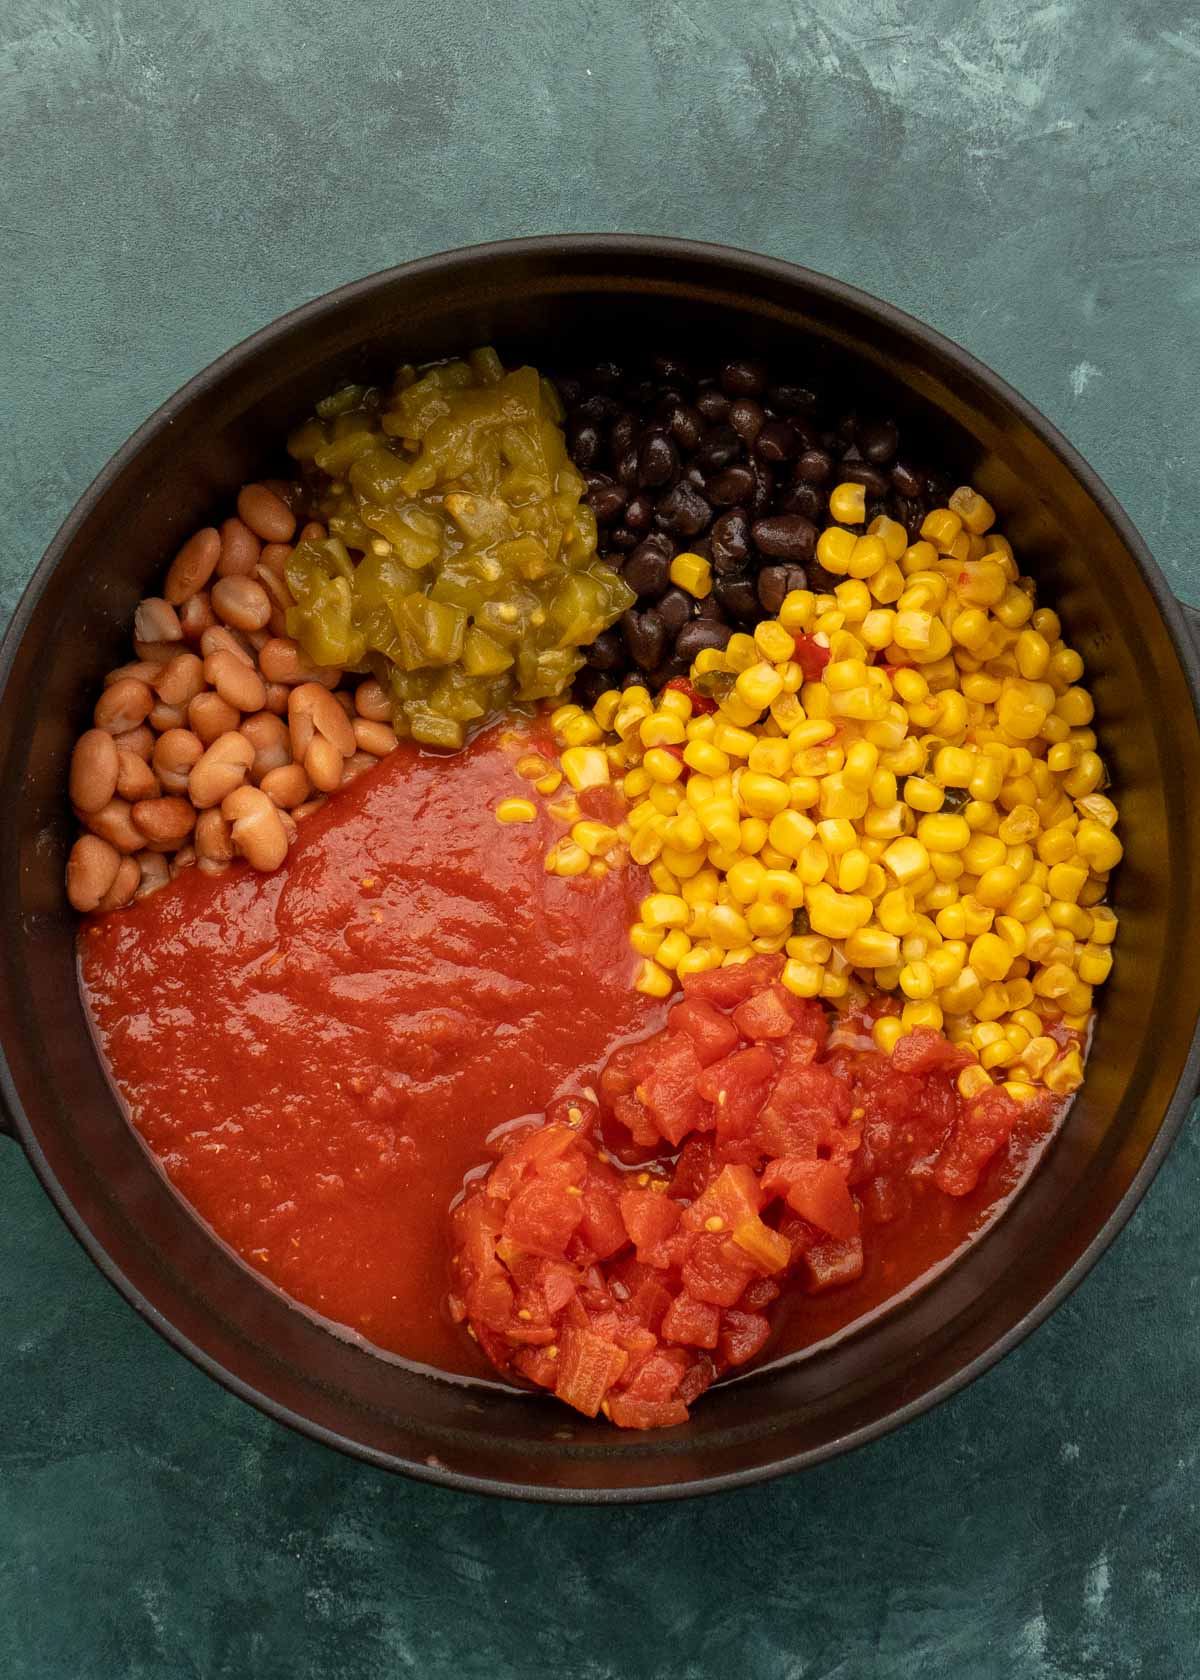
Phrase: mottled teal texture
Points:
(1021, 176)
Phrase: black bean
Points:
(775, 583)
(701, 633)
(671, 667)
(820, 581)
(696, 477)
(607, 652)
(791, 399)
(730, 539)
(710, 607)
(675, 610)
(712, 404)
(743, 378)
(639, 512)
(732, 485)
(845, 428)
(907, 479)
(604, 376)
(671, 370)
(657, 460)
(584, 443)
(640, 392)
(878, 440)
(785, 536)
(938, 488)
(648, 569)
(683, 510)
(569, 390)
(873, 479)
(605, 498)
(807, 499)
(632, 679)
(626, 468)
(623, 435)
(599, 409)
(747, 418)
(687, 425)
(645, 637)
(759, 501)
(777, 441)
(718, 447)
(737, 594)
(815, 466)
(911, 515)
(620, 536)
(590, 684)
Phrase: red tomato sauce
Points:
(316, 1057)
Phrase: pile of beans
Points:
(219, 736)
(736, 465)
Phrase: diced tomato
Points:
(587, 1368)
(924, 1049)
(490, 1301)
(701, 704)
(832, 1262)
(618, 1078)
(633, 1114)
(811, 656)
(817, 1191)
(668, 1089)
(649, 1303)
(804, 1111)
(769, 1250)
(542, 1217)
(558, 1284)
(982, 1131)
(695, 1323)
(729, 986)
(766, 1015)
(731, 1198)
(696, 1379)
(659, 1376)
(649, 1216)
(627, 1411)
(742, 1335)
(537, 1365)
(695, 1169)
(759, 1293)
(737, 1088)
(713, 1035)
(601, 1229)
(715, 1270)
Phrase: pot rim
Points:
(1183, 626)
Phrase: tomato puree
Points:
(316, 1057)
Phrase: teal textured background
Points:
(1021, 176)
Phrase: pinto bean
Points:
(323, 764)
(257, 832)
(354, 766)
(140, 670)
(222, 768)
(175, 754)
(274, 559)
(91, 870)
(267, 515)
(312, 708)
(94, 770)
(237, 684)
(156, 620)
(125, 884)
(155, 653)
(269, 737)
(184, 858)
(167, 717)
(241, 602)
(139, 741)
(214, 840)
(287, 786)
(378, 739)
(135, 779)
(307, 809)
(222, 638)
(371, 701)
(196, 616)
(277, 698)
(180, 680)
(155, 873)
(278, 591)
(314, 531)
(114, 824)
(193, 565)
(240, 549)
(280, 660)
(209, 716)
(164, 822)
(123, 706)
(289, 826)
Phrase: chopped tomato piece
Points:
(587, 1368)
(538, 1365)
(831, 1262)
(768, 1249)
(924, 1049)
(982, 1130)
(742, 1335)
(668, 1088)
(737, 1088)
(731, 1199)
(542, 1217)
(714, 1270)
(649, 1216)
(804, 1111)
(627, 1411)
(696, 1323)
(817, 1191)
(601, 1229)
(695, 1169)
(811, 656)
(729, 986)
(766, 1015)
(701, 703)
(713, 1035)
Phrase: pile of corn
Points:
(925, 817)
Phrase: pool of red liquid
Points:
(317, 1057)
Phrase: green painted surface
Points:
(1021, 177)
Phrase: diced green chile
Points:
(460, 566)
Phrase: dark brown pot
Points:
(540, 297)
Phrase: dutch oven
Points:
(539, 298)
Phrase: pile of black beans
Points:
(731, 461)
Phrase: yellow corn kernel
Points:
(943, 832)
(946, 963)
(852, 869)
(887, 1033)
(743, 879)
(779, 887)
(954, 767)
(803, 979)
(727, 927)
(1098, 846)
(661, 729)
(1065, 880)
(516, 811)
(646, 940)
(924, 1013)
(1065, 1075)
(1021, 824)
(693, 573)
(1104, 925)
(836, 835)
(790, 832)
(861, 761)
(770, 757)
(946, 866)
(834, 548)
(991, 957)
(907, 859)
(871, 948)
(975, 511)
(664, 910)
(1086, 777)
(798, 610)
(674, 948)
(732, 740)
(762, 796)
(941, 527)
(586, 767)
(752, 834)
(662, 766)
(962, 994)
(917, 981)
(773, 641)
(867, 557)
(848, 504)
(607, 707)
(772, 921)
(596, 838)
(653, 980)
(812, 863)
(836, 914)
(923, 795)
(665, 797)
(895, 912)
(646, 845)
(567, 859)
(1095, 964)
(758, 685)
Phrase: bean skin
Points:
(195, 617)
(95, 767)
(257, 833)
(323, 764)
(167, 717)
(180, 680)
(288, 786)
(114, 824)
(684, 510)
(732, 486)
(775, 584)
(814, 466)
(607, 652)
(701, 633)
(674, 609)
(645, 638)
(241, 602)
(371, 701)
(777, 441)
(269, 737)
(747, 419)
(155, 620)
(155, 873)
(878, 441)
(139, 741)
(744, 378)
(214, 837)
(238, 684)
(657, 461)
(378, 739)
(737, 594)
(648, 569)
